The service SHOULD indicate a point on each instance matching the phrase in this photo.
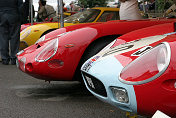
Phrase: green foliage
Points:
(162, 5)
(93, 3)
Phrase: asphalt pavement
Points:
(22, 96)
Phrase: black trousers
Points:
(9, 34)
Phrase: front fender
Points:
(72, 46)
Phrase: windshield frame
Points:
(71, 18)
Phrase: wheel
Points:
(92, 49)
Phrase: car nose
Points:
(101, 76)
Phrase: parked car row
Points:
(98, 14)
(129, 64)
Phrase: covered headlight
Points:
(147, 67)
(25, 33)
(120, 94)
(40, 39)
(48, 52)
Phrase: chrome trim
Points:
(157, 75)
(55, 50)
(20, 52)
(23, 60)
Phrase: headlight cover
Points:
(48, 52)
(25, 33)
(120, 94)
(147, 67)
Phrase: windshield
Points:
(82, 17)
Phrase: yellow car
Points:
(98, 14)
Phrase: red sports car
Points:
(137, 76)
(60, 57)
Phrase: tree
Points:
(93, 3)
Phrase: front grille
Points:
(95, 85)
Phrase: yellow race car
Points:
(98, 14)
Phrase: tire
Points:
(92, 49)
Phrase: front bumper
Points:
(104, 74)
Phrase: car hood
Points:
(129, 51)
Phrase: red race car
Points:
(137, 76)
(60, 57)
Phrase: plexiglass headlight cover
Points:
(147, 67)
(25, 33)
(48, 52)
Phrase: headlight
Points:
(40, 39)
(48, 52)
(147, 67)
(25, 33)
(120, 94)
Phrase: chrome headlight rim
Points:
(55, 51)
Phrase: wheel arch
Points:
(104, 40)
(47, 31)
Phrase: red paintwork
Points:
(24, 26)
(55, 33)
(81, 38)
(159, 94)
(138, 34)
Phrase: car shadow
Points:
(55, 91)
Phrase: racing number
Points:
(141, 51)
(118, 49)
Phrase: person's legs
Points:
(14, 40)
(4, 39)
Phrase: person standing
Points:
(10, 29)
(45, 11)
(26, 12)
(129, 10)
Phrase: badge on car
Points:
(89, 81)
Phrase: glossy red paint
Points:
(24, 26)
(60, 31)
(160, 93)
(81, 39)
(124, 58)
